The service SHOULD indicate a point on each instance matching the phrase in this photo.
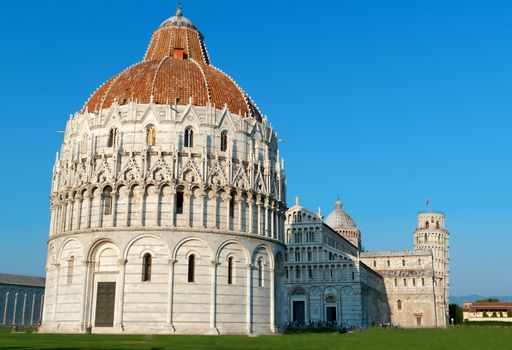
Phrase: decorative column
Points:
(203, 200)
(69, 220)
(227, 199)
(248, 316)
(272, 302)
(142, 193)
(173, 208)
(119, 303)
(171, 294)
(250, 203)
(5, 307)
(239, 203)
(213, 199)
(259, 220)
(113, 213)
(32, 309)
(267, 231)
(14, 309)
(79, 214)
(272, 228)
(83, 310)
(23, 309)
(89, 198)
(213, 298)
(187, 195)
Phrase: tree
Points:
(455, 312)
(488, 300)
(509, 313)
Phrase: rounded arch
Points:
(229, 242)
(126, 250)
(97, 245)
(65, 243)
(297, 291)
(267, 250)
(188, 239)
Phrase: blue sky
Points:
(386, 103)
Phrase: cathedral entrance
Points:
(105, 303)
(299, 311)
(330, 313)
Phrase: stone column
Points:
(32, 309)
(272, 228)
(79, 214)
(113, 214)
(173, 208)
(266, 232)
(14, 309)
(142, 195)
(5, 307)
(83, 310)
(171, 294)
(23, 309)
(54, 311)
(203, 200)
(89, 198)
(258, 220)
(227, 199)
(239, 203)
(187, 210)
(250, 203)
(213, 298)
(119, 302)
(272, 302)
(52, 220)
(69, 219)
(215, 209)
(248, 316)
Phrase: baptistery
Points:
(167, 203)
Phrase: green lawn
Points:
(467, 338)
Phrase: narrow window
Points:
(310, 273)
(396, 282)
(414, 282)
(426, 224)
(179, 202)
(423, 282)
(310, 256)
(403, 262)
(112, 138)
(230, 270)
(374, 263)
(146, 267)
(224, 141)
(399, 304)
(151, 135)
(419, 261)
(353, 276)
(260, 273)
(232, 207)
(71, 263)
(189, 137)
(107, 201)
(405, 282)
(297, 273)
(191, 268)
(389, 263)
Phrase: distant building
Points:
(21, 300)
(487, 311)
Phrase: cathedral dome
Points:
(339, 219)
(176, 70)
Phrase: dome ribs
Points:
(206, 84)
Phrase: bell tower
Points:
(431, 235)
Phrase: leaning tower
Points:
(432, 235)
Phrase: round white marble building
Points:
(167, 204)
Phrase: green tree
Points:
(509, 313)
(488, 300)
(455, 312)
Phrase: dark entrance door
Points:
(298, 311)
(331, 314)
(105, 302)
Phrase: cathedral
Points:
(169, 216)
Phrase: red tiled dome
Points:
(176, 67)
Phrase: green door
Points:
(105, 303)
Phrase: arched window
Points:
(189, 137)
(399, 304)
(71, 265)
(232, 207)
(260, 273)
(230, 270)
(224, 141)
(150, 135)
(146, 267)
(414, 282)
(437, 224)
(107, 201)
(179, 201)
(396, 282)
(423, 282)
(426, 224)
(112, 138)
(191, 268)
(374, 263)
(403, 262)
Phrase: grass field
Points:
(467, 338)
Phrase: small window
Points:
(403, 262)
(107, 201)
(297, 273)
(224, 141)
(260, 273)
(112, 138)
(151, 135)
(71, 266)
(310, 273)
(310, 256)
(191, 268)
(353, 276)
(414, 282)
(179, 202)
(146, 267)
(230, 270)
(423, 282)
(389, 263)
(405, 282)
(232, 207)
(399, 304)
(396, 282)
(189, 137)
(426, 224)
(374, 263)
